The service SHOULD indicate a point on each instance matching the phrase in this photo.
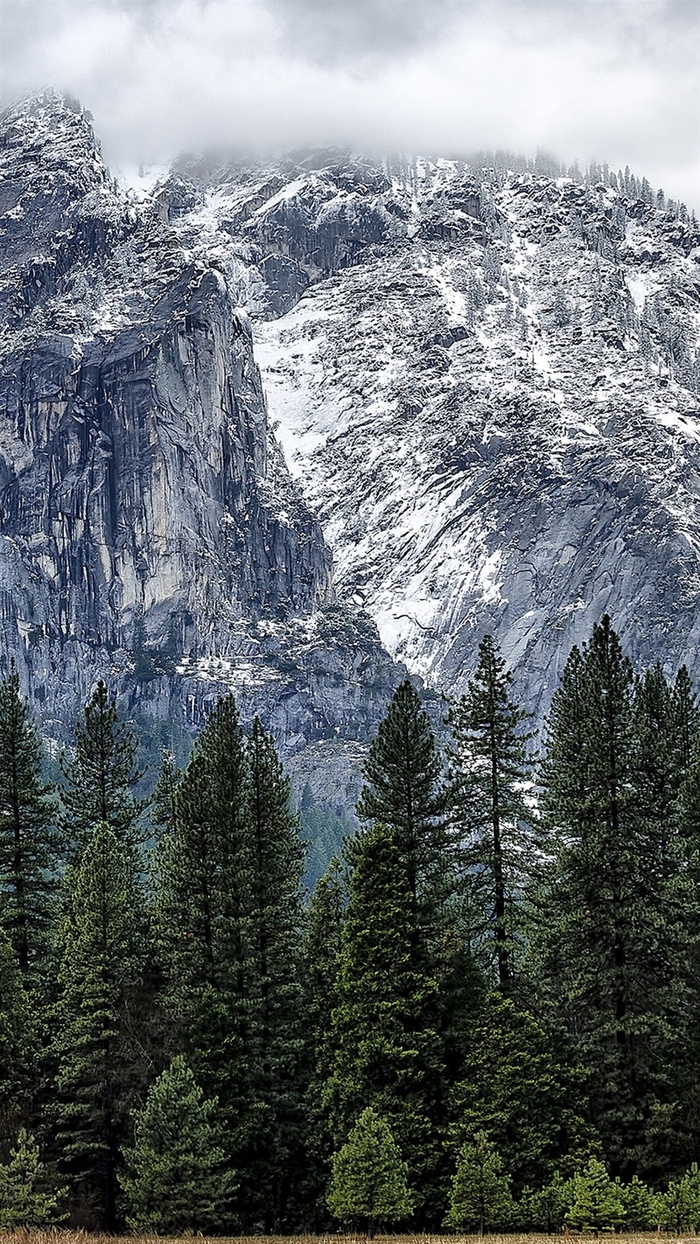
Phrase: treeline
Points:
(486, 1016)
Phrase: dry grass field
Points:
(81, 1237)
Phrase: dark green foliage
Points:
(228, 919)
(596, 1201)
(365, 1019)
(387, 1047)
(604, 945)
(530, 1103)
(98, 1046)
(26, 1198)
(480, 1199)
(175, 1179)
(276, 1017)
(101, 776)
(545, 1209)
(17, 1045)
(488, 768)
(29, 843)
(203, 923)
(403, 792)
(369, 1180)
(322, 947)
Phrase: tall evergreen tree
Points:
(29, 842)
(17, 1046)
(98, 1046)
(388, 1047)
(322, 948)
(276, 919)
(228, 916)
(101, 776)
(602, 956)
(202, 920)
(403, 792)
(489, 767)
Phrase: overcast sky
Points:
(614, 80)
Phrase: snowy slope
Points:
(486, 385)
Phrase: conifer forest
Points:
(485, 1017)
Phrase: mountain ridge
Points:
(483, 382)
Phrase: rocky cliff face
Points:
(149, 528)
(488, 393)
(474, 383)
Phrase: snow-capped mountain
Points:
(256, 408)
(485, 381)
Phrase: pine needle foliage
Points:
(480, 1200)
(26, 1198)
(603, 944)
(489, 768)
(403, 791)
(98, 1047)
(101, 776)
(29, 841)
(369, 1180)
(388, 1048)
(176, 1180)
(597, 1201)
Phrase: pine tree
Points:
(686, 717)
(678, 1208)
(98, 1045)
(29, 843)
(277, 924)
(489, 767)
(175, 1180)
(203, 924)
(101, 777)
(322, 948)
(545, 1209)
(403, 792)
(228, 918)
(597, 1202)
(480, 1197)
(17, 1045)
(388, 1048)
(26, 1198)
(657, 762)
(601, 958)
(526, 1094)
(369, 1180)
(640, 1206)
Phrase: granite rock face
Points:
(149, 529)
(489, 398)
(291, 426)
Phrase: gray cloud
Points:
(614, 80)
